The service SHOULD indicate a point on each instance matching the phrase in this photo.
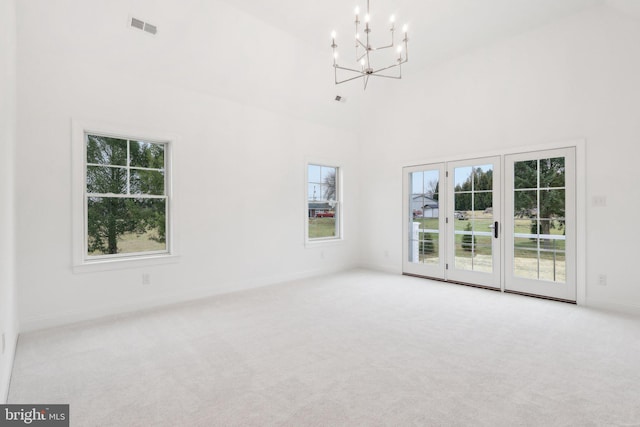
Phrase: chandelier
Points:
(363, 68)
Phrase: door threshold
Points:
(455, 282)
(475, 285)
(568, 301)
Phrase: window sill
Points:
(124, 263)
(323, 242)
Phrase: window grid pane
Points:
(539, 207)
(424, 226)
(126, 200)
(323, 202)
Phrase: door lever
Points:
(494, 227)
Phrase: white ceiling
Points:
(438, 28)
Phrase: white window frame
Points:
(81, 261)
(339, 207)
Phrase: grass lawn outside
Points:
(547, 264)
(322, 228)
(133, 243)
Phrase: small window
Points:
(323, 202)
(126, 200)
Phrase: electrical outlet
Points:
(599, 201)
(602, 280)
(146, 279)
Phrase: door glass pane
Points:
(552, 172)
(463, 178)
(483, 261)
(473, 216)
(424, 230)
(526, 174)
(483, 177)
(463, 202)
(552, 203)
(539, 223)
(525, 204)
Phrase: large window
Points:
(323, 202)
(126, 198)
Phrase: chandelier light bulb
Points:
(399, 49)
(335, 55)
(333, 34)
(357, 10)
(358, 36)
(367, 18)
(392, 19)
(362, 62)
(405, 28)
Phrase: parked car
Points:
(460, 215)
(325, 214)
(417, 212)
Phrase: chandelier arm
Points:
(387, 77)
(349, 69)
(386, 68)
(368, 46)
(348, 80)
(382, 47)
(390, 66)
(406, 49)
(361, 44)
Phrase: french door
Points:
(424, 215)
(473, 230)
(540, 227)
(467, 221)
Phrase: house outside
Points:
(316, 208)
(424, 206)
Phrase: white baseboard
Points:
(613, 306)
(7, 368)
(74, 316)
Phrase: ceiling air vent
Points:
(144, 26)
(136, 23)
(150, 28)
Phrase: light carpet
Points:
(353, 349)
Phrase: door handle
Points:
(494, 227)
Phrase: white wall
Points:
(8, 312)
(247, 114)
(577, 78)
(250, 113)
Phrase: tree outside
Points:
(125, 196)
(481, 184)
(540, 193)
